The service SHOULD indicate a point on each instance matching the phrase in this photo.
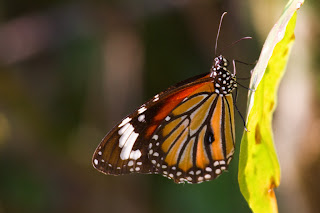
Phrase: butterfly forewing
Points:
(124, 149)
(185, 133)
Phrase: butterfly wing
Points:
(195, 142)
(185, 133)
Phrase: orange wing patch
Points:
(170, 126)
(216, 147)
(229, 126)
(171, 103)
(199, 116)
(202, 159)
(188, 105)
(174, 101)
(186, 162)
(174, 135)
(173, 154)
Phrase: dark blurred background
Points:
(70, 70)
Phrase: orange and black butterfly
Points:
(185, 133)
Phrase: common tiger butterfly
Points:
(185, 133)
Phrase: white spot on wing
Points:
(141, 118)
(135, 155)
(207, 176)
(142, 109)
(123, 129)
(95, 161)
(208, 169)
(156, 98)
(125, 121)
(130, 163)
(127, 148)
(124, 137)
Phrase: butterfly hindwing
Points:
(191, 144)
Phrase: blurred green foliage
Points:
(55, 108)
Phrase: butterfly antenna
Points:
(244, 38)
(217, 38)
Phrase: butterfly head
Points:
(220, 62)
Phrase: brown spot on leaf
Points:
(285, 52)
(271, 187)
(271, 106)
(293, 37)
(257, 134)
(272, 195)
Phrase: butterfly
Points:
(186, 133)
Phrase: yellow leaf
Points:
(259, 171)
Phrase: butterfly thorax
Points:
(224, 80)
